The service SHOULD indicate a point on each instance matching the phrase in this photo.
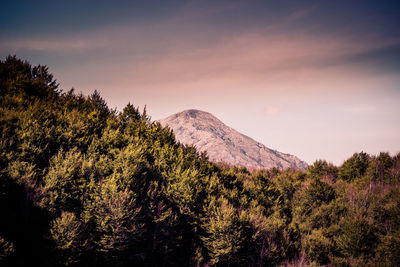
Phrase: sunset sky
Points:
(317, 79)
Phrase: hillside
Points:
(83, 185)
(224, 144)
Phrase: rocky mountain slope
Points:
(224, 144)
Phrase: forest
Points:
(85, 185)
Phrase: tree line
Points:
(84, 185)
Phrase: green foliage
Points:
(223, 232)
(66, 231)
(354, 167)
(322, 168)
(116, 219)
(83, 185)
(357, 237)
(388, 251)
(318, 247)
(316, 193)
(381, 168)
(64, 183)
(18, 77)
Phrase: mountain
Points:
(224, 144)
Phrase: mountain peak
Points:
(194, 113)
(224, 144)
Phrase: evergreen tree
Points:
(83, 185)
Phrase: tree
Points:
(64, 184)
(119, 228)
(357, 237)
(223, 239)
(67, 233)
(354, 167)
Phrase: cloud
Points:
(177, 54)
(55, 44)
(248, 57)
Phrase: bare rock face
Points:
(224, 144)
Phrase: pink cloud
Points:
(52, 44)
(248, 57)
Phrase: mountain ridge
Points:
(224, 144)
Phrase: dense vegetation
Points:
(83, 185)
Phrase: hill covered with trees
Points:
(83, 185)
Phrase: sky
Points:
(316, 79)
